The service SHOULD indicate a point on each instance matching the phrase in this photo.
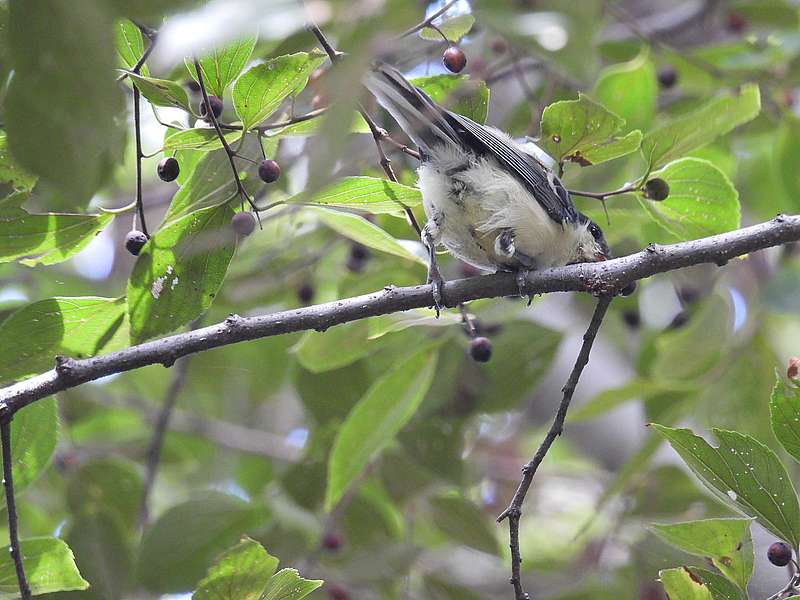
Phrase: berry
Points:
(454, 59)
(779, 554)
(305, 293)
(359, 252)
(168, 169)
(243, 223)
(331, 541)
(499, 45)
(736, 23)
(656, 189)
(134, 241)
(628, 289)
(480, 349)
(667, 76)
(632, 318)
(793, 368)
(338, 592)
(269, 171)
(216, 106)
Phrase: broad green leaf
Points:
(584, 132)
(261, 89)
(383, 324)
(702, 200)
(787, 154)
(463, 522)
(11, 173)
(49, 567)
(369, 194)
(223, 65)
(358, 229)
(179, 272)
(720, 588)
(34, 432)
(130, 44)
(458, 93)
(682, 585)
(630, 90)
(453, 28)
(337, 347)
(180, 546)
(201, 138)
(784, 410)
(162, 92)
(241, 573)
(377, 417)
(63, 110)
(745, 474)
(211, 182)
(715, 118)
(287, 584)
(436, 589)
(46, 239)
(77, 327)
(102, 548)
(726, 542)
(112, 485)
(608, 400)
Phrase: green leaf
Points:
(287, 584)
(210, 183)
(584, 132)
(715, 118)
(787, 153)
(377, 417)
(630, 90)
(64, 109)
(223, 65)
(201, 138)
(334, 348)
(241, 573)
(720, 588)
(179, 272)
(369, 194)
(261, 89)
(610, 399)
(11, 173)
(49, 566)
(745, 474)
(453, 28)
(784, 411)
(162, 92)
(702, 200)
(180, 546)
(34, 433)
(458, 93)
(360, 230)
(683, 585)
(726, 542)
(130, 44)
(463, 522)
(112, 485)
(78, 327)
(46, 239)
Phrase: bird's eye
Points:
(595, 231)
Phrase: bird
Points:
(489, 200)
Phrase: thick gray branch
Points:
(598, 278)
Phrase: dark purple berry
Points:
(454, 59)
(359, 252)
(480, 349)
(269, 170)
(736, 23)
(656, 189)
(216, 106)
(793, 367)
(632, 319)
(305, 293)
(338, 592)
(243, 223)
(628, 289)
(135, 241)
(168, 169)
(331, 541)
(667, 76)
(779, 554)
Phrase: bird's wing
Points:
(541, 182)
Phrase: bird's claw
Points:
(522, 280)
(436, 282)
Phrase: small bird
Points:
(490, 201)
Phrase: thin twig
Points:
(153, 453)
(514, 510)
(603, 195)
(139, 155)
(601, 278)
(11, 505)
(312, 114)
(428, 21)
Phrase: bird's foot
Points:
(522, 280)
(436, 282)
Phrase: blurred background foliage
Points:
(254, 437)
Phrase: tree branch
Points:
(11, 505)
(514, 510)
(599, 278)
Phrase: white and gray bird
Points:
(489, 200)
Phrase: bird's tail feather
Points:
(420, 117)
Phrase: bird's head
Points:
(592, 245)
